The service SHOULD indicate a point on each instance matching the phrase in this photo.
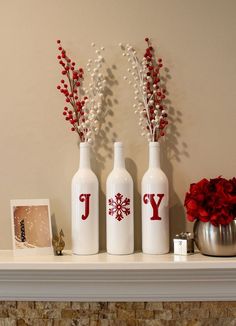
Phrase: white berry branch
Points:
(149, 94)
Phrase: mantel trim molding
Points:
(24, 280)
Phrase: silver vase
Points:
(215, 241)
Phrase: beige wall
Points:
(38, 153)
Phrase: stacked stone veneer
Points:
(114, 313)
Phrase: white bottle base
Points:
(155, 253)
(85, 253)
(94, 253)
(120, 254)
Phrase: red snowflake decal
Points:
(119, 207)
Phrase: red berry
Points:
(62, 81)
(63, 72)
(58, 87)
(160, 60)
(72, 129)
(73, 63)
(58, 41)
(67, 100)
(67, 118)
(146, 39)
(64, 113)
(60, 48)
(65, 108)
(78, 84)
(59, 57)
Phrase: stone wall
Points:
(119, 313)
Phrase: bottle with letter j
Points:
(84, 193)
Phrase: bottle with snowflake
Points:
(119, 207)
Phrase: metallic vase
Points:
(215, 241)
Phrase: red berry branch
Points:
(149, 91)
(81, 111)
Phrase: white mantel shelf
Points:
(103, 277)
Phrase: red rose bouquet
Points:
(212, 201)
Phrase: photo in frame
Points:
(31, 226)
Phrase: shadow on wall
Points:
(173, 150)
(103, 147)
(132, 169)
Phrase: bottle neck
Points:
(154, 155)
(84, 161)
(119, 161)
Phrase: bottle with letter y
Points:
(155, 206)
(119, 207)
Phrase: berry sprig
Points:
(83, 105)
(149, 93)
